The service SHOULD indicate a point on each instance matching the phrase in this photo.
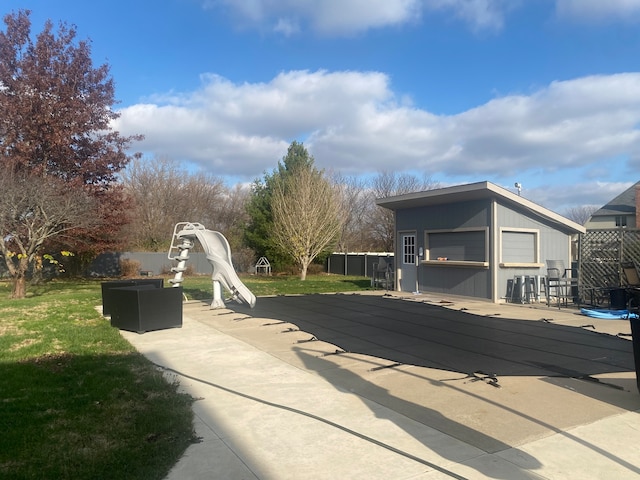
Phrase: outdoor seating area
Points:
(559, 287)
(562, 287)
(560, 284)
(382, 276)
(617, 291)
(524, 289)
(631, 273)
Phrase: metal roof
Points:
(475, 191)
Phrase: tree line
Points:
(292, 215)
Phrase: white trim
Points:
(455, 263)
(521, 265)
(493, 274)
(415, 245)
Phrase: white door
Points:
(409, 271)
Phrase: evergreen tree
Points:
(259, 232)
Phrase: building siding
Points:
(553, 244)
(517, 243)
(459, 280)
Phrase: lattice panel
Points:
(631, 246)
(602, 252)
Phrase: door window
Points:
(409, 249)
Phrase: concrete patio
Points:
(402, 386)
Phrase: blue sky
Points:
(541, 92)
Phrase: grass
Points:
(199, 287)
(78, 402)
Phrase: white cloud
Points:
(590, 193)
(599, 10)
(480, 14)
(348, 17)
(287, 27)
(565, 125)
(244, 129)
(353, 123)
(353, 16)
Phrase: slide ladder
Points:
(218, 254)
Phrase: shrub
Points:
(243, 259)
(315, 269)
(129, 268)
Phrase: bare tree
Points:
(257, 232)
(231, 215)
(357, 205)
(580, 214)
(306, 215)
(32, 211)
(164, 194)
(389, 184)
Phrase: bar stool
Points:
(523, 289)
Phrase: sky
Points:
(545, 93)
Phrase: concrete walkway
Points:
(277, 401)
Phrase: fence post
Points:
(365, 265)
(346, 261)
(620, 254)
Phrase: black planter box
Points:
(107, 296)
(143, 308)
(618, 298)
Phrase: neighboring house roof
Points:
(623, 204)
(475, 191)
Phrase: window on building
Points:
(621, 220)
(461, 246)
(519, 246)
(409, 249)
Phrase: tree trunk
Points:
(19, 287)
(20, 279)
(303, 271)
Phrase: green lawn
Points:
(199, 287)
(78, 402)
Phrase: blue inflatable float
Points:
(608, 314)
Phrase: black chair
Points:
(630, 281)
(631, 274)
